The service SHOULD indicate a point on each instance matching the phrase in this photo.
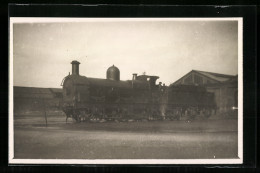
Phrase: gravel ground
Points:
(133, 140)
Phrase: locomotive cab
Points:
(151, 80)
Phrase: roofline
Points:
(182, 77)
(206, 76)
(197, 71)
(35, 87)
(227, 75)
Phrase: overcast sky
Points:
(42, 52)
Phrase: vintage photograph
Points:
(125, 91)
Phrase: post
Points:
(44, 106)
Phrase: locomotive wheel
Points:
(97, 114)
(68, 114)
(146, 113)
(76, 115)
(84, 115)
(178, 117)
(168, 115)
(156, 115)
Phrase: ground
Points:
(202, 139)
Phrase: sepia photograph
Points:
(125, 90)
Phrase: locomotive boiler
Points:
(140, 98)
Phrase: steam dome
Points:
(113, 73)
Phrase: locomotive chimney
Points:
(134, 76)
(75, 67)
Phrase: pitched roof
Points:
(219, 78)
(216, 76)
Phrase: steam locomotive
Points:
(141, 98)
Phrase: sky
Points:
(42, 52)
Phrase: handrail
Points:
(62, 82)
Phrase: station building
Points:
(224, 87)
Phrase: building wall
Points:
(225, 96)
(28, 99)
(35, 104)
(225, 92)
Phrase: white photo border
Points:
(11, 160)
